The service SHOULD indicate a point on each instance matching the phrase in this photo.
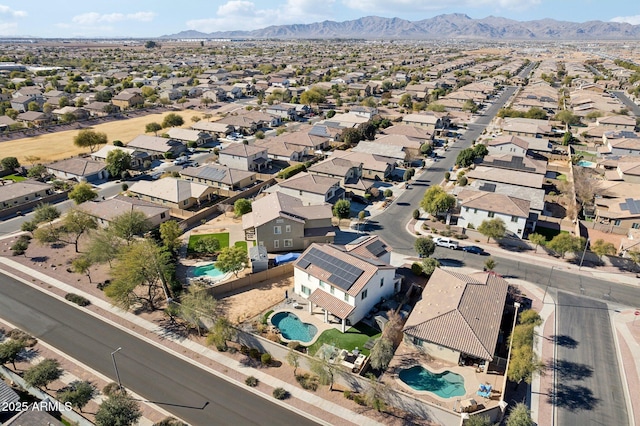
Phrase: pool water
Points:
(585, 163)
(444, 385)
(292, 328)
(208, 270)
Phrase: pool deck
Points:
(407, 357)
(305, 317)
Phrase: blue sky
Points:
(153, 18)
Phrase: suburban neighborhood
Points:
(395, 232)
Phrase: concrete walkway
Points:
(295, 391)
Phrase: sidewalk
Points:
(313, 407)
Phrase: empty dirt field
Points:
(59, 145)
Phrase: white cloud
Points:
(92, 18)
(633, 20)
(6, 10)
(245, 15)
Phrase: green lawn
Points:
(223, 238)
(242, 244)
(15, 178)
(561, 177)
(354, 337)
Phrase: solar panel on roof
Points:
(633, 206)
(377, 248)
(342, 273)
(488, 187)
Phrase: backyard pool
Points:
(585, 163)
(292, 328)
(444, 385)
(207, 271)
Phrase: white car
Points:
(446, 242)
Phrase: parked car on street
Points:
(446, 242)
(474, 250)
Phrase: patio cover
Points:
(331, 303)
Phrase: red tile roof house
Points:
(458, 316)
(346, 282)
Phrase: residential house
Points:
(79, 169)
(106, 210)
(173, 193)
(429, 121)
(75, 112)
(478, 206)
(21, 103)
(364, 111)
(33, 118)
(345, 285)
(621, 122)
(527, 127)
(512, 177)
(348, 172)
(284, 111)
(6, 122)
(244, 157)
(422, 133)
(218, 176)
(511, 145)
(281, 222)
(458, 316)
(188, 135)
(279, 150)
(312, 189)
(374, 167)
(137, 157)
(157, 147)
(127, 99)
(620, 143)
(215, 128)
(101, 109)
(17, 193)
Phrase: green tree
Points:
(118, 161)
(29, 226)
(153, 128)
(76, 223)
(130, 225)
(480, 150)
(537, 239)
(206, 245)
(489, 264)
(342, 209)
(564, 243)
(82, 192)
(33, 106)
(602, 248)
(103, 246)
(90, 139)
(172, 120)
(374, 395)
(520, 416)
(220, 334)
(436, 201)
(232, 259)
(567, 117)
(118, 410)
(493, 228)
(367, 130)
(10, 163)
(567, 138)
(465, 158)
(140, 275)
(197, 304)
(429, 265)
(45, 213)
(82, 265)
(241, 206)
(11, 350)
(293, 359)
(170, 235)
(381, 353)
(424, 246)
(324, 369)
(312, 96)
(426, 149)
(536, 113)
(150, 44)
(350, 136)
(405, 101)
(37, 172)
(43, 373)
(77, 393)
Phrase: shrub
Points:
(77, 299)
(462, 181)
(291, 170)
(415, 214)
(416, 269)
(125, 186)
(307, 381)
(20, 246)
(347, 394)
(447, 175)
(265, 359)
(28, 340)
(254, 353)
(280, 393)
(251, 381)
(388, 193)
(359, 399)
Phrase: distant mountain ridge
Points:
(450, 26)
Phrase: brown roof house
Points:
(313, 189)
(458, 316)
(173, 193)
(218, 176)
(26, 191)
(478, 206)
(157, 146)
(345, 283)
(106, 210)
(280, 222)
(79, 169)
(126, 99)
(244, 157)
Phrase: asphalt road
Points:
(635, 109)
(181, 388)
(589, 386)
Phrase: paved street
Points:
(176, 385)
(588, 384)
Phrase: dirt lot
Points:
(59, 145)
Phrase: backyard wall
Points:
(26, 207)
(251, 280)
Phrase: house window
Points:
(363, 294)
(635, 225)
(332, 290)
(288, 243)
(514, 218)
(346, 297)
(475, 210)
(321, 284)
(381, 282)
(261, 243)
(305, 290)
(277, 230)
(163, 215)
(276, 244)
(466, 209)
(287, 228)
(617, 222)
(185, 202)
(491, 214)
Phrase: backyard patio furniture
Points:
(484, 391)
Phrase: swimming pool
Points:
(444, 385)
(208, 271)
(585, 163)
(292, 328)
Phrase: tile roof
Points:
(170, 189)
(10, 191)
(460, 312)
(278, 204)
(217, 173)
(242, 150)
(493, 202)
(337, 307)
(310, 183)
(368, 246)
(77, 166)
(113, 207)
(513, 177)
(333, 166)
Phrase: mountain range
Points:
(450, 26)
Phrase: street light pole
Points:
(548, 283)
(583, 253)
(115, 366)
